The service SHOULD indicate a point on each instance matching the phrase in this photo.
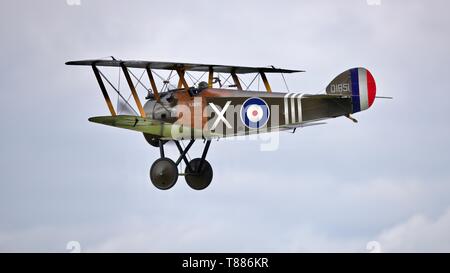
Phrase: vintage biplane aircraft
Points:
(211, 109)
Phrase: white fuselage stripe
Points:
(293, 108)
(363, 97)
(286, 107)
(299, 108)
(291, 102)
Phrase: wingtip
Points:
(107, 120)
(96, 119)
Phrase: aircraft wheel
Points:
(153, 140)
(164, 173)
(199, 179)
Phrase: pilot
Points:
(201, 86)
(195, 91)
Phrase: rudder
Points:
(357, 83)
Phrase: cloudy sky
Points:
(327, 188)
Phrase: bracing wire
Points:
(118, 85)
(285, 83)
(191, 77)
(138, 82)
(226, 80)
(201, 77)
(259, 79)
(117, 91)
(252, 82)
(242, 81)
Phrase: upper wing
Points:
(183, 66)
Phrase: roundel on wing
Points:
(255, 113)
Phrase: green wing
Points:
(164, 130)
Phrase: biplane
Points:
(211, 109)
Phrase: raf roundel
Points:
(255, 113)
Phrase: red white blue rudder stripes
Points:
(357, 83)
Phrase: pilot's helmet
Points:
(202, 85)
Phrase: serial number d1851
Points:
(248, 262)
(340, 88)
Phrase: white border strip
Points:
(363, 92)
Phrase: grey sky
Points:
(327, 188)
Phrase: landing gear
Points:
(201, 175)
(198, 173)
(164, 173)
(153, 140)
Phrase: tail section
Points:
(357, 83)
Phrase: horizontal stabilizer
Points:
(384, 97)
(301, 125)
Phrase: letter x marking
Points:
(220, 115)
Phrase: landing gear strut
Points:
(198, 173)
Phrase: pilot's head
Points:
(202, 85)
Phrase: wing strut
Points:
(210, 77)
(182, 81)
(266, 82)
(104, 92)
(152, 82)
(133, 90)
